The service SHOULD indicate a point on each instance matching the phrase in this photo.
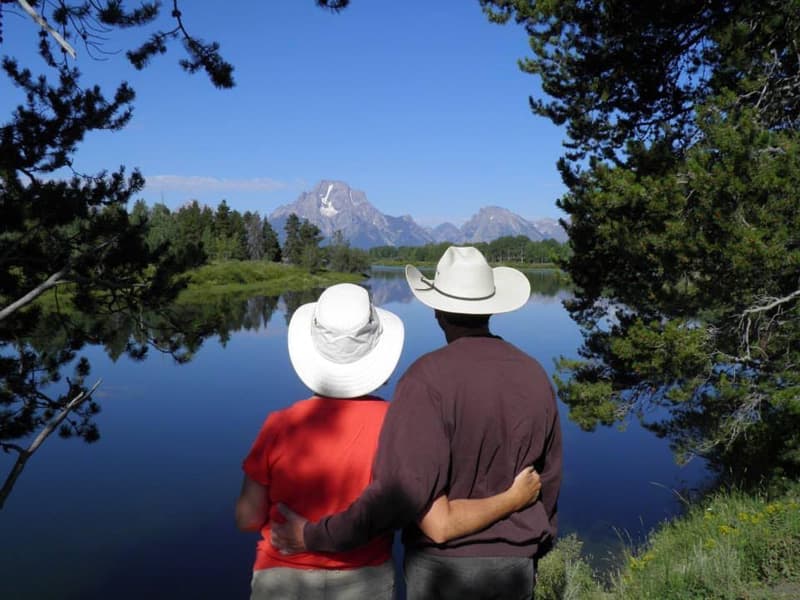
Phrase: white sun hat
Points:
(342, 346)
(465, 283)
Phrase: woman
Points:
(317, 454)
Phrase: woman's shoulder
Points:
(321, 405)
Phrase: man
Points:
(464, 420)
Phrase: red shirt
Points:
(316, 457)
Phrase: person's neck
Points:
(454, 332)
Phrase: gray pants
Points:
(430, 577)
(317, 584)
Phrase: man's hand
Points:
(525, 488)
(288, 537)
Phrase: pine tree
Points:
(74, 231)
(310, 238)
(255, 235)
(272, 248)
(682, 166)
(57, 232)
(292, 245)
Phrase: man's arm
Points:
(409, 472)
(378, 510)
(449, 519)
(445, 520)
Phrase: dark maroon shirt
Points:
(465, 419)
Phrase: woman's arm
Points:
(252, 507)
(449, 519)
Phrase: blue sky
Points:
(419, 103)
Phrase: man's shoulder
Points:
(421, 366)
(481, 348)
(523, 356)
(458, 355)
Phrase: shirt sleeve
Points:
(409, 472)
(551, 471)
(256, 463)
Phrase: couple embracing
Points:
(466, 459)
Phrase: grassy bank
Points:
(732, 546)
(271, 279)
(232, 278)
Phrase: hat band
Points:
(346, 347)
(432, 285)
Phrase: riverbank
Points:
(272, 279)
(258, 277)
(732, 545)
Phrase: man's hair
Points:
(461, 320)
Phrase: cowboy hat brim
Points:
(343, 380)
(512, 290)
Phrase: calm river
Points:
(148, 510)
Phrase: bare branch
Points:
(52, 281)
(752, 317)
(25, 454)
(772, 302)
(42, 22)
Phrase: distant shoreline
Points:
(431, 265)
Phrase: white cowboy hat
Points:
(465, 283)
(342, 346)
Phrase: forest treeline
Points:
(517, 249)
(200, 234)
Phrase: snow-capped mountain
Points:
(334, 205)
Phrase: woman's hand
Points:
(525, 487)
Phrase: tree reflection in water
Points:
(42, 373)
(45, 382)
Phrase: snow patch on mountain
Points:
(327, 208)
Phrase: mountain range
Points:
(334, 205)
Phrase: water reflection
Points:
(388, 285)
(156, 492)
(225, 314)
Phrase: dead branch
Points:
(751, 317)
(772, 302)
(52, 425)
(52, 281)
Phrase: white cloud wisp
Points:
(198, 184)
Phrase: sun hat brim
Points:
(348, 380)
(512, 290)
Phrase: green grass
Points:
(231, 278)
(732, 546)
(564, 575)
(272, 279)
